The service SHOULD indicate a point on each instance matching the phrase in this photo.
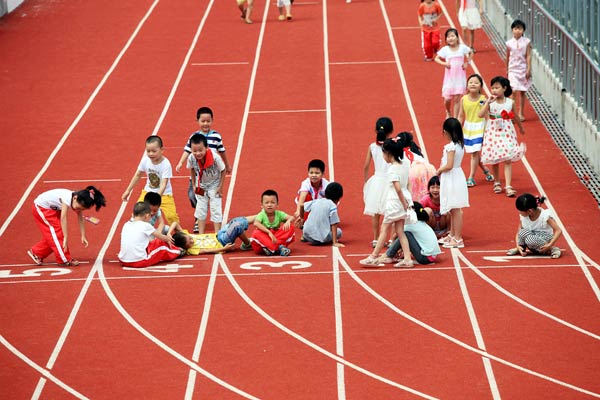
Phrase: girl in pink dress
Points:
(500, 139)
(455, 57)
(518, 60)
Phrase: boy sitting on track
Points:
(321, 226)
(273, 232)
(221, 241)
(311, 188)
(138, 247)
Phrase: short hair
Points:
(153, 198)
(451, 30)
(334, 191)
(204, 110)
(504, 82)
(316, 163)
(198, 138)
(269, 192)
(155, 139)
(140, 209)
(180, 240)
(518, 23)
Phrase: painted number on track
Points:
(258, 265)
(30, 273)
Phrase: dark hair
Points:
(180, 240)
(407, 139)
(479, 78)
(420, 211)
(505, 83)
(140, 209)
(154, 139)
(395, 147)
(316, 163)
(518, 23)
(434, 180)
(454, 128)
(89, 197)
(204, 110)
(198, 138)
(449, 31)
(527, 201)
(383, 127)
(270, 192)
(153, 199)
(334, 192)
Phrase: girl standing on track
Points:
(398, 202)
(456, 58)
(375, 185)
(538, 232)
(453, 186)
(247, 10)
(469, 16)
(473, 126)
(518, 61)
(50, 213)
(500, 139)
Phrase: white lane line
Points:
(83, 180)
(456, 341)
(508, 294)
(44, 372)
(220, 63)
(310, 344)
(475, 325)
(579, 255)
(361, 62)
(286, 111)
(84, 289)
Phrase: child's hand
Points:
(338, 245)
(228, 246)
(125, 195)
(84, 241)
(170, 238)
(299, 222)
(545, 248)
(465, 65)
(447, 65)
(522, 251)
(491, 99)
(273, 238)
(286, 226)
(178, 166)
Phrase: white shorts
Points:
(216, 206)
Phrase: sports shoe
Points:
(284, 251)
(71, 263)
(196, 230)
(245, 246)
(268, 252)
(453, 243)
(445, 239)
(36, 259)
(555, 252)
(370, 262)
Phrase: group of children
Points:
(475, 124)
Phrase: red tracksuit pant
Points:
(430, 42)
(261, 239)
(157, 251)
(48, 221)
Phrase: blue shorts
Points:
(231, 230)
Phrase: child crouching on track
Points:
(50, 213)
(538, 232)
(138, 247)
(321, 226)
(273, 232)
(221, 241)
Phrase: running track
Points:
(83, 83)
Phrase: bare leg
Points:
(448, 106)
(403, 239)
(249, 11)
(385, 229)
(456, 105)
(473, 39)
(474, 162)
(201, 225)
(521, 105)
(496, 172)
(508, 173)
(375, 224)
(456, 217)
(465, 33)
(217, 226)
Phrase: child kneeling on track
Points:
(138, 247)
(421, 240)
(222, 241)
(538, 232)
(321, 226)
(50, 213)
(273, 232)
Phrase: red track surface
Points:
(314, 325)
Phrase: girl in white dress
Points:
(518, 59)
(375, 185)
(397, 204)
(453, 185)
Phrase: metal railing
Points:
(566, 35)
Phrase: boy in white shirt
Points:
(321, 226)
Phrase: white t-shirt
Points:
(135, 237)
(156, 172)
(540, 224)
(211, 176)
(54, 199)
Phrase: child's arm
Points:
(517, 120)
(182, 159)
(81, 221)
(449, 163)
(334, 240)
(461, 111)
(367, 165)
(219, 190)
(528, 60)
(483, 111)
(288, 221)
(163, 185)
(134, 181)
(174, 227)
(507, 59)
(438, 60)
(165, 238)
(227, 247)
(63, 224)
(300, 206)
(264, 229)
(161, 222)
(398, 190)
(223, 155)
(556, 232)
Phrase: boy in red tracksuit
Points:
(273, 232)
(429, 13)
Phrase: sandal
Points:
(470, 182)
(374, 243)
(370, 262)
(488, 176)
(510, 192)
(555, 252)
(457, 244)
(446, 239)
(512, 252)
(497, 187)
(36, 259)
(404, 264)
